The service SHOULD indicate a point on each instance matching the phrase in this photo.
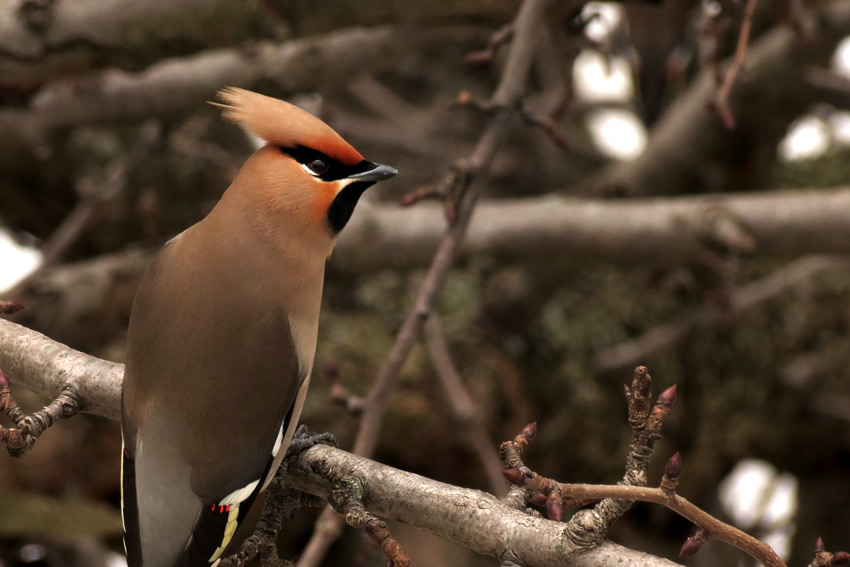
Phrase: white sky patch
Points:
(17, 260)
(780, 540)
(782, 505)
(609, 16)
(841, 57)
(756, 495)
(594, 82)
(741, 491)
(807, 138)
(617, 133)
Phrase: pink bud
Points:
(673, 470)
(668, 396)
(10, 307)
(840, 558)
(514, 476)
(529, 431)
(538, 499)
(554, 509)
(690, 547)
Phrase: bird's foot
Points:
(305, 439)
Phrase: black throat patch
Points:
(343, 204)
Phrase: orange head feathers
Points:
(307, 177)
(282, 124)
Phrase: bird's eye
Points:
(317, 166)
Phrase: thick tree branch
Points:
(689, 150)
(469, 517)
(555, 232)
(42, 40)
(175, 86)
(46, 367)
(634, 232)
(472, 518)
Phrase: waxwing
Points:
(222, 337)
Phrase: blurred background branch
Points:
(723, 269)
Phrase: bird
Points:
(222, 336)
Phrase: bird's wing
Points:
(240, 463)
(188, 482)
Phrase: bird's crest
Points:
(282, 124)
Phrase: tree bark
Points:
(690, 150)
(572, 231)
(177, 86)
(470, 517)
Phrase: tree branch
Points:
(689, 150)
(626, 353)
(175, 86)
(556, 232)
(572, 231)
(47, 367)
(464, 185)
(472, 518)
(40, 41)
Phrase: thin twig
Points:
(499, 38)
(721, 102)
(460, 182)
(742, 299)
(20, 440)
(646, 420)
(339, 394)
(824, 558)
(587, 528)
(462, 405)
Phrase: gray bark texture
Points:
(470, 517)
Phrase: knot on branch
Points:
(585, 530)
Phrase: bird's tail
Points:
(130, 510)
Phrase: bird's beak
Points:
(377, 173)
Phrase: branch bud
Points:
(673, 470)
(627, 390)
(554, 509)
(538, 499)
(690, 547)
(529, 431)
(668, 396)
(10, 307)
(840, 558)
(819, 546)
(514, 476)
